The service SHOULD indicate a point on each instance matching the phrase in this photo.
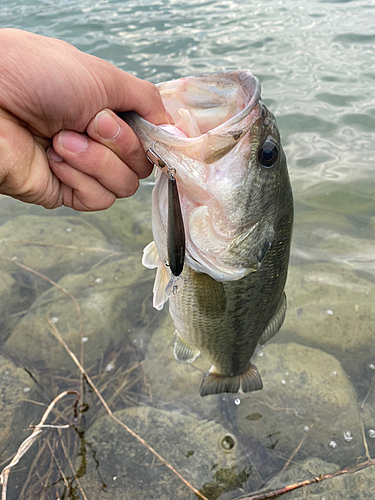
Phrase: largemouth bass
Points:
(237, 208)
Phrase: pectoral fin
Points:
(151, 260)
(275, 324)
(214, 383)
(183, 351)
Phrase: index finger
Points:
(141, 96)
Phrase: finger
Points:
(97, 161)
(130, 93)
(79, 191)
(108, 129)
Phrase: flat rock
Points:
(352, 486)
(203, 452)
(52, 245)
(333, 309)
(307, 407)
(16, 413)
(115, 306)
(127, 224)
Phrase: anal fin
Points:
(275, 324)
(214, 383)
(183, 351)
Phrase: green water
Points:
(316, 413)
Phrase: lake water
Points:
(316, 413)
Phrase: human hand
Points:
(51, 94)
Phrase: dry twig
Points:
(308, 482)
(29, 441)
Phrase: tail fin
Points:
(214, 383)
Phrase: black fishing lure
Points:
(176, 231)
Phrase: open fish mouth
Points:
(211, 112)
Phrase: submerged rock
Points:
(203, 452)
(115, 306)
(127, 224)
(16, 413)
(352, 486)
(307, 404)
(52, 245)
(333, 309)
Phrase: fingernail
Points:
(72, 141)
(106, 126)
(52, 155)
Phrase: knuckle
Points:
(129, 187)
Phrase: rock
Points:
(115, 303)
(8, 305)
(16, 413)
(52, 245)
(333, 309)
(127, 224)
(203, 452)
(306, 396)
(352, 486)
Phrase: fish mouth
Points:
(216, 101)
(212, 113)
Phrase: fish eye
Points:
(268, 153)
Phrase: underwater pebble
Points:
(334, 373)
(332, 444)
(306, 428)
(85, 339)
(371, 366)
(98, 280)
(330, 312)
(26, 389)
(68, 229)
(54, 319)
(348, 436)
(13, 258)
(109, 367)
(283, 382)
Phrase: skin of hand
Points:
(60, 143)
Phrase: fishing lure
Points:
(175, 231)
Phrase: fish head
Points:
(230, 169)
